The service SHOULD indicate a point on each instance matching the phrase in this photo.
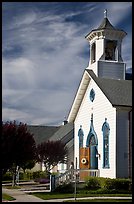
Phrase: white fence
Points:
(72, 175)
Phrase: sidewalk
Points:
(20, 196)
(23, 197)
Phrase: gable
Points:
(118, 92)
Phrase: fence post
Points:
(52, 183)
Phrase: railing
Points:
(72, 174)
(67, 177)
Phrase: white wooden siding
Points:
(99, 48)
(101, 109)
(94, 67)
(111, 69)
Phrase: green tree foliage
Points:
(51, 153)
(18, 146)
(28, 165)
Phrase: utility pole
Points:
(75, 179)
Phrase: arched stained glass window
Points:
(106, 132)
(92, 143)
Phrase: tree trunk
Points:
(14, 175)
(14, 179)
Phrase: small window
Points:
(93, 53)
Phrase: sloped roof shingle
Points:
(64, 133)
(118, 92)
(42, 133)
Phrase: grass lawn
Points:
(101, 200)
(53, 195)
(7, 197)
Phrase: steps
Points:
(36, 188)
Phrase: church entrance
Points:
(92, 143)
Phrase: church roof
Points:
(118, 92)
(64, 133)
(42, 133)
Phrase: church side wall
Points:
(123, 143)
(130, 146)
(101, 109)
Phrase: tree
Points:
(18, 147)
(28, 165)
(51, 153)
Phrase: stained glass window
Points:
(106, 132)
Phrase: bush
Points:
(25, 176)
(93, 183)
(117, 184)
(39, 174)
(65, 188)
(7, 176)
(21, 176)
(43, 180)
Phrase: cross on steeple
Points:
(105, 13)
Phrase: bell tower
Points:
(105, 50)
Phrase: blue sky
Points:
(44, 54)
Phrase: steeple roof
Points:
(105, 24)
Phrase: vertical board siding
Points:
(122, 143)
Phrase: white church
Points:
(99, 124)
(102, 108)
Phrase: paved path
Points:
(23, 197)
(20, 196)
(91, 198)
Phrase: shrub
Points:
(44, 180)
(25, 176)
(117, 184)
(21, 176)
(7, 176)
(39, 174)
(93, 183)
(65, 188)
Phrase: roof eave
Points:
(78, 97)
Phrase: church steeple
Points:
(105, 50)
(105, 23)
